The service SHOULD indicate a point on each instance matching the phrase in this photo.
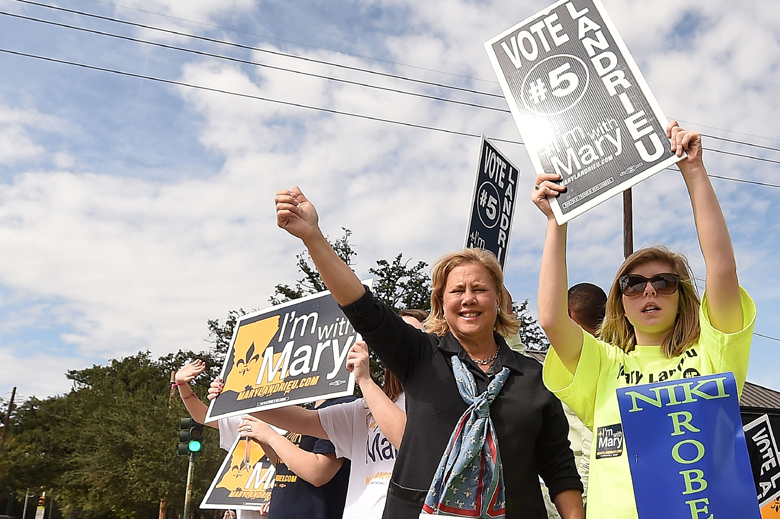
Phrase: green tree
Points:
(107, 448)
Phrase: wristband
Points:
(177, 384)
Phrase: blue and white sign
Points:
(686, 449)
(495, 191)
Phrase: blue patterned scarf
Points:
(470, 479)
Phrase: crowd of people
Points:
(473, 426)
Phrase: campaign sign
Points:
(686, 449)
(581, 104)
(760, 433)
(244, 480)
(495, 191)
(288, 354)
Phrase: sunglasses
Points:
(632, 285)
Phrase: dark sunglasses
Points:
(632, 285)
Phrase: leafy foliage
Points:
(107, 448)
(311, 282)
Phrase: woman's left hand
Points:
(357, 362)
(255, 428)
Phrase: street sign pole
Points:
(188, 492)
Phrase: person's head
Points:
(663, 310)
(587, 303)
(466, 295)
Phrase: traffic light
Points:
(190, 437)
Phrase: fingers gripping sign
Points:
(545, 186)
(684, 141)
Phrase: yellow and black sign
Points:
(244, 480)
(288, 354)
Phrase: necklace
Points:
(485, 362)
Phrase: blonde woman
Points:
(470, 400)
(655, 328)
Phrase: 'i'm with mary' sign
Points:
(581, 104)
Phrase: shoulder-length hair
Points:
(506, 324)
(617, 330)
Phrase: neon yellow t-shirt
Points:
(602, 368)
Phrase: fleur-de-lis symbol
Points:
(243, 364)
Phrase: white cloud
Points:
(123, 264)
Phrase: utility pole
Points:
(26, 497)
(188, 492)
(628, 224)
(7, 417)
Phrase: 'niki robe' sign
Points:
(686, 449)
(581, 104)
(288, 354)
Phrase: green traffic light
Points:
(195, 446)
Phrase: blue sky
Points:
(132, 211)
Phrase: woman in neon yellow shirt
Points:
(655, 327)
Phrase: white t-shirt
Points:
(228, 432)
(359, 439)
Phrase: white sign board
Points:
(581, 104)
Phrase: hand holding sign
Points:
(295, 214)
(546, 185)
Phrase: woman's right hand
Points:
(295, 214)
(544, 186)
(215, 388)
(189, 371)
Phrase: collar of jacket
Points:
(451, 345)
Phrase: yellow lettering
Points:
(677, 422)
(680, 459)
(689, 481)
(695, 510)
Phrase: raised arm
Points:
(564, 334)
(315, 468)
(195, 407)
(389, 417)
(296, 215)
(722, 285)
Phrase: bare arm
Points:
(195, 407)
(390, 418)
(564, 334)
(295, 419)
(215, 388)
(569, 504)
(317, 469)
(296, 215)
(722, 285)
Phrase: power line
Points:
(403, 78)
(359, 69)
(298, 105)
(249, 33)
(766, 336)
(741, 142)
(249, 62)
(249, 96)
(258, 49)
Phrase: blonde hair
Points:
(617, 330)
(506, 325)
